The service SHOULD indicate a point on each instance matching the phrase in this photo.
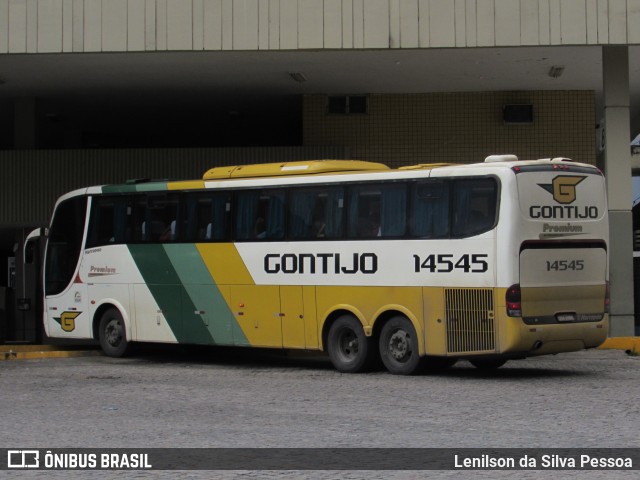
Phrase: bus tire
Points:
(350, 350)
(399, 347)
(487, 365)
(112, 334)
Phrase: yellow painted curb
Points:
(26, 352)
(29, 348)
(631, 344)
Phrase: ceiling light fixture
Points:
(298, 77)
(556, 71)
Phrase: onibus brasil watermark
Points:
(320, 459)
(32, 458)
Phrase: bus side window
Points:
(309, 213)
(393, 210)
(474, 203)
(378, 211)
(122, 214)
(430, 212)
(302, 205)
(157, 216)
(190, 206)
(274, 217)
(334, 216)
(364, 212)
(217, 226)
(101, 222)
(109, 221)
(246, 214)
(260, 215)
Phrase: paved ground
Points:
(237, 398)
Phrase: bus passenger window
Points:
(217, 227)
(109, 221)
(259, 215)
(430, 212)
(272, 204)
(475, 202)
(364, 211)
(246, 213)
(302, 206)
(378, 211)
(156, 215)
(331, 225)
(205, 216)
(393, 210)
(316, 213)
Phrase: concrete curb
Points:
(28, 352)
(629, 344)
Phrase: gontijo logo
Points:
(67, 320)
(563, 188)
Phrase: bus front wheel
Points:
(113, 337)
(349, 348)
(399, 347)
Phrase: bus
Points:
(406, 268)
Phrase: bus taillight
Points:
(607, 298)
(514, 301)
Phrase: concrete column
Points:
(617, 159)
(25, 123)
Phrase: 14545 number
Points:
(447, 262)
(564, 265)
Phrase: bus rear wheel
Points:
(112, 334)
(399, 347)
(349, 348)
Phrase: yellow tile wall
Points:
(403, 129)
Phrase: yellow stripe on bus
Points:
(186, 185)
(225, 264)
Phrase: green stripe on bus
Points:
(135, 187)
(209, 304)
(169, 293)
(184, 290)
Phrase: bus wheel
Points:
(113, 337)
(488, 364)
(399, 347)
(349, 348)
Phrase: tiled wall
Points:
(457, 127)
(27, 198)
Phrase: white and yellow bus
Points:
(418, 265)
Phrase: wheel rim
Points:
(399, 346)
(113, 333)
(348, 344)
